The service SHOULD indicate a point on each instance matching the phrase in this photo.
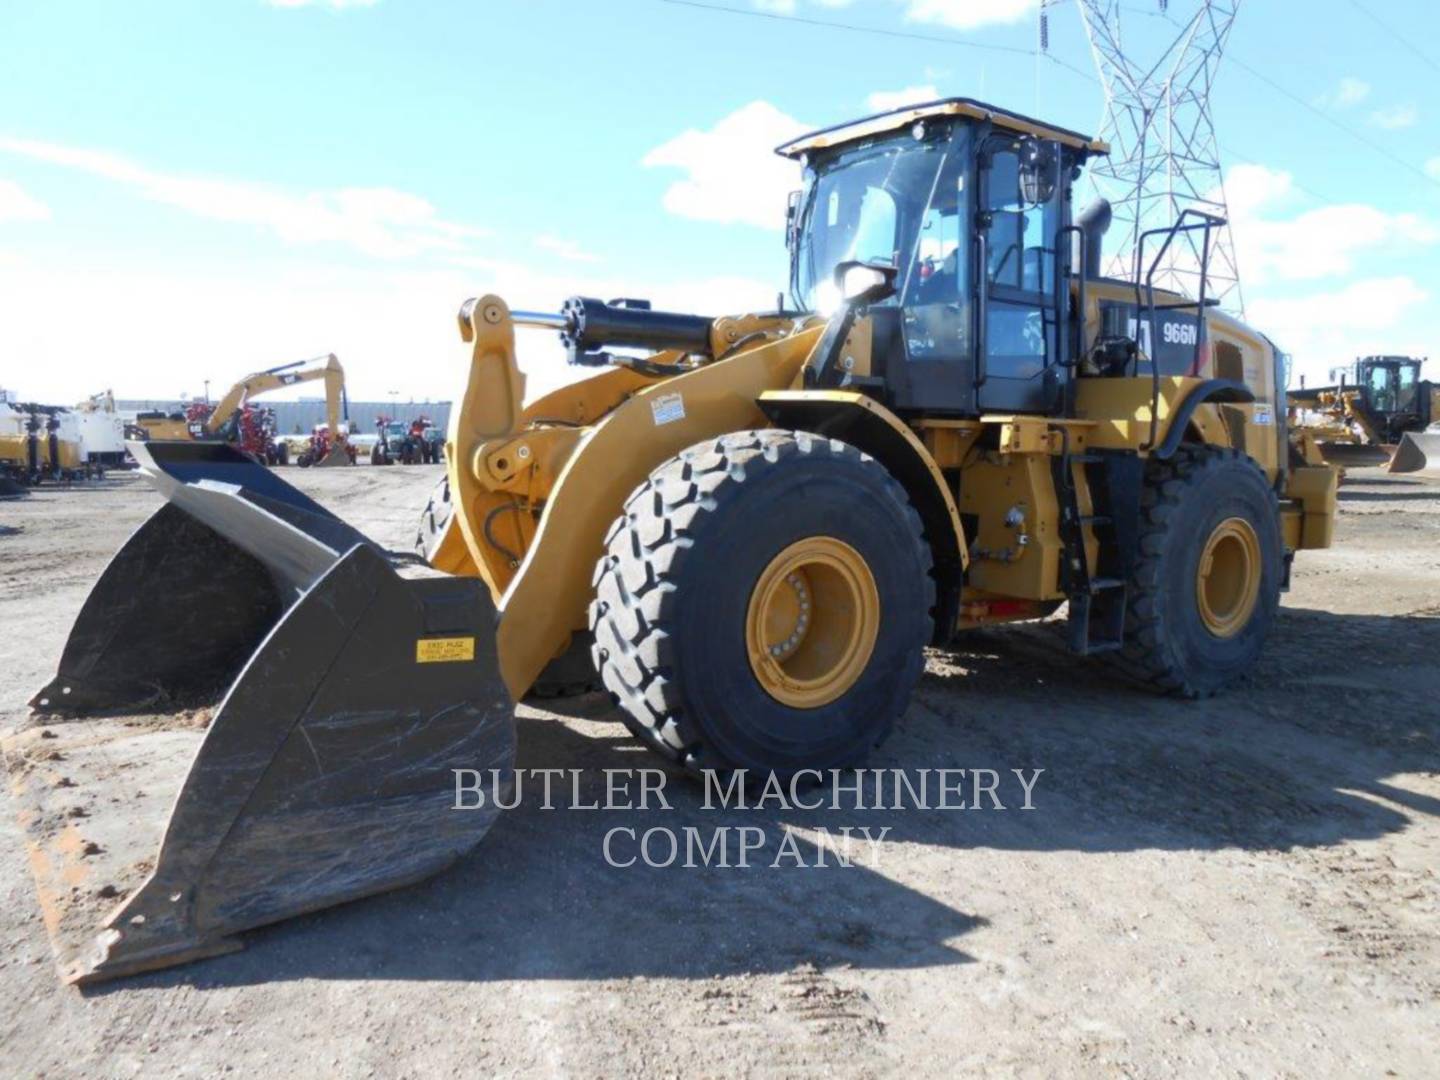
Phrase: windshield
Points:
(867, 204)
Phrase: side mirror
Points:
(792, 219)
(1039, 170)
(863, 283)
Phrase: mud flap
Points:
(356, 683)
(1418, 451)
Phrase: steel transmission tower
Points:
(1163, 155)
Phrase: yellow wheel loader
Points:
(754, 525)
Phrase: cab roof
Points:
(969, 108)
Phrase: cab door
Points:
(1016, 313)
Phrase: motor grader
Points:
(1377, 409)
(753, 525)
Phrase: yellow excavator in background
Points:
(226, 420)
(750, 528)
(1378, 410)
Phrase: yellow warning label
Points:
(443, 650)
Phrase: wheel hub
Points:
(812, 621)
(1227, 581)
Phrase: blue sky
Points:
(192, 189)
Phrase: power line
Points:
(1396, 34)
(1015, 50)
(1228, 151)
(1323, 115)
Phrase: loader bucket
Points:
(1418, 451)
(257, 714)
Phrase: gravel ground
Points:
(1245, 885)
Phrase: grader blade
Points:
(1419, 451)
(161, 821)
(1353, 455)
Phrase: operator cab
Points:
(970, 206)
(1389, 382)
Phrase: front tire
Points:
(1206, 585)
(764, 604)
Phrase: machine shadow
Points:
(1297, 756)
(1351, 495)
(1387, 481)
(537, 898)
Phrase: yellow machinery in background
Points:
(40, 452)
(1378, 411)
(157, 424)
(749, 528)
(226, 420)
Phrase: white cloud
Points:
(334, 5)
(732, 172)
(1348, 93)
(969, 14)
(1312, 244)
(789, 7)
(1432, 167)
(885, 100)
(1325, 329)
(956, 14)
(16, 204)
(392, 327)
(1284, 249)
(565, 249)
(380, 222)
(1394, 117)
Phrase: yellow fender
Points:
(869, 426)
(546, 597)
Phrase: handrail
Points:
(1207, 223)
(1064, 272)
(982, 312)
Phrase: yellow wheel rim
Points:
(1227, 582)
(812, 622)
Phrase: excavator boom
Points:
(261, 382)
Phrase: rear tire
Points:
(1189, 632)
(674, 612)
